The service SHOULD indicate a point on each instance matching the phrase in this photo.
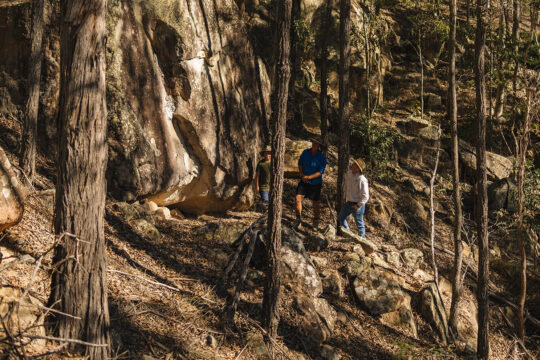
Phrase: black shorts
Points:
(312, 192)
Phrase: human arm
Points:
(257, 180)
(363, 190)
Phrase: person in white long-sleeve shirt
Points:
(356, 197)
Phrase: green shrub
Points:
(376, 142)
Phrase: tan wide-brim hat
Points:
(360, 163)
(267, 149)
(317, 139)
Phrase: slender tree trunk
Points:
(279, 120)
(344, 110)
(365, 18)
(79, 285)
(421, 58)
(323, 102)
(534, 20)
(523, 144)
(468, 11)
(295, 64)
(481, 184)
(458, 216)
(29, 134)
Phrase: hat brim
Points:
(358, 164)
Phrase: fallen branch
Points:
(172, 288)
(53, 338)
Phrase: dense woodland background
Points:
(129, 136)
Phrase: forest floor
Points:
(162, 294)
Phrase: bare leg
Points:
(299, 199)
(316, 210)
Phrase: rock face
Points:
(293, 150)
(11, 195)
(498, 167)
(184, 92)
(433, 311)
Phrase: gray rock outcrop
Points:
(11, 194)
(498, 166)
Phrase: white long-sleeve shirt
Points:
(356, 188)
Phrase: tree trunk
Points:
(323, 102)
(481, 184)
(421, 58)
(523, 144)
(79, 285)
(458, 216)
(279, 121)
(29, 132)
(295, 64)
(344, 109)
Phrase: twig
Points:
(172, 288)
(241, 352)
(53, 338)
(256, 324)
(230, 309)
(20, 260)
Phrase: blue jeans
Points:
(264, 195)
(344, 213)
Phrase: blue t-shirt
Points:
(311, 164)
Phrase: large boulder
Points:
(185, 92)
(318, 318)
(11, 194)
(297, 268)
(498, 167)
(502, 195)
(380, 293)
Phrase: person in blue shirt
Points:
(311, 165)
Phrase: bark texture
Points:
(279, 121)
(458, 222)
(323, 102)
(481, 184)
(29, 135)
(78, 286)
(344, 109)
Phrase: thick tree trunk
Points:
(29, 134)
(323, 102)
(79, 285)
(523, 144)
(279, 121)
(458, 217)
(481, 184)
(344, 109)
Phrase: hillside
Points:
(188, 96)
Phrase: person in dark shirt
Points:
(262, 176)
(311, 165)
